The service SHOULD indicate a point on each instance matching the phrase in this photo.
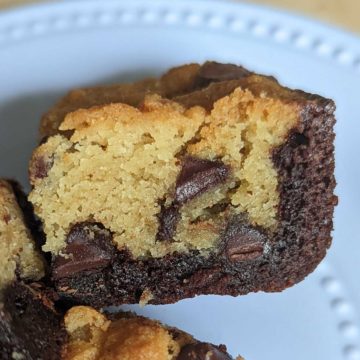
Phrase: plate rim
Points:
(336, 52)
(322, 40)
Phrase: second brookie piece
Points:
(34, 325)
(225, 189)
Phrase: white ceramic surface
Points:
(47, 49)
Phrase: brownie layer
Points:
(30, 327)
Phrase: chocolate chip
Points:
(198, 176)
(89, 247)
(299, 139)
(40, 168)
(213, 71)
(203, 351)
(243, 241)
(168, 220)
(44, 139)
(6, 218)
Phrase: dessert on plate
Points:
(33, 327)
(208, 180)
(34, 324)
(29, 324)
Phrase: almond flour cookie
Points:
(18, 254)
(222, 185)
(31, 328)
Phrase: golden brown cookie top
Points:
(190, 84)
(132, 158)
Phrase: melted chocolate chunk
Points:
(198, 176)
(44, 139)
(168, 219)
(243, 241)
(6, 218)
(203, 351)
(299, 139)
(89, 247)
(41, 168)
(213, 71)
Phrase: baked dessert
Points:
(31, 328)
(34, 324)
(18, 254)
(28, 321)
(95, 336)
(178, 81)
(222, 185)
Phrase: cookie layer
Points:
(93, 336)
(18, 252)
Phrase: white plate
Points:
(47, 49)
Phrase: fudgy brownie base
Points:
(248, 258)
(30, 327)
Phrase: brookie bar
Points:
(214, 180)
(35, 325)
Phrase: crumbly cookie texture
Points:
(121, 164)
(17, 248)
(92, 336)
